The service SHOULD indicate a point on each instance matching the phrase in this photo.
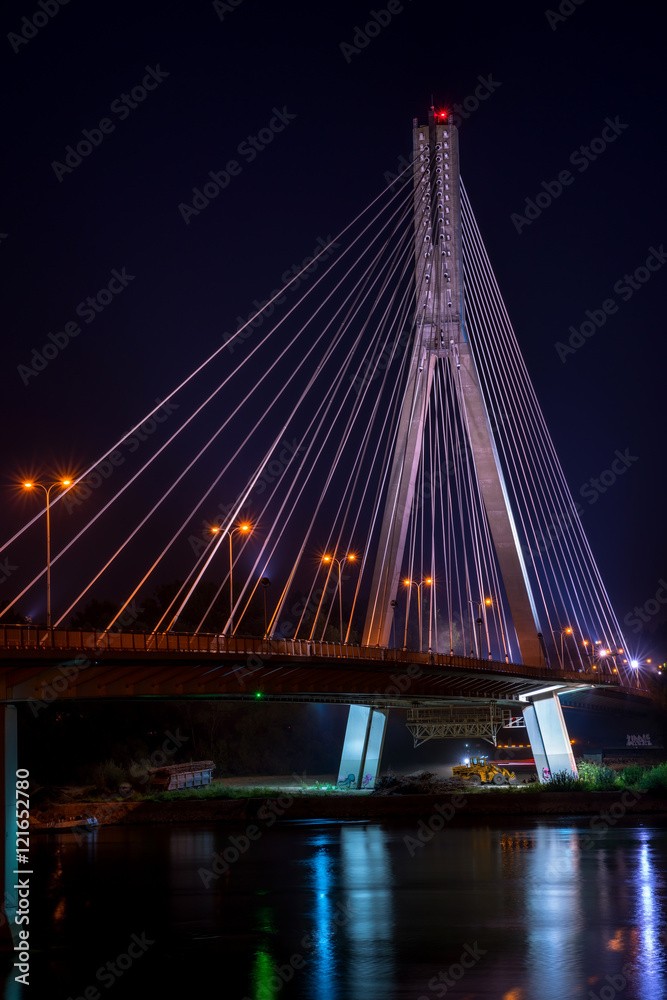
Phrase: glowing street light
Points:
(350, 557)
(63, 483)
(265, 582)
(566, 631)
(412, 583)
(491, 603)
(479, 622)
(244, 529)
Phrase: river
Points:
(537, 910)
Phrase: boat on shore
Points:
(84, 824)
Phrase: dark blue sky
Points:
(220, 74)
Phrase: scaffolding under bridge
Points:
(454, 721)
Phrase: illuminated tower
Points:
(440, 338)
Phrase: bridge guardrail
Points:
(28, 637)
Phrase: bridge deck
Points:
(47, 663)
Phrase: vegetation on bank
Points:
(109, 780)
(600, 778)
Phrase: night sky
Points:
(213, 75)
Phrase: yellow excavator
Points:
(480, 772)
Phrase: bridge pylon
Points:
(439, 337)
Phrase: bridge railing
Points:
(84, 641)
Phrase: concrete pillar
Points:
(362, 746)
(8, 765)
(548, 736)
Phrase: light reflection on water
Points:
(543, 910)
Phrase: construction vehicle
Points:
(480, 772)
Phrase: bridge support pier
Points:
(362, 747)
(8, 765)
(548, 736)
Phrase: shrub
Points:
(631, 777)
(563, 781)
(108, 775)
(655, 780)
(597, 777)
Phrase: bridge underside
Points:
(344, 680)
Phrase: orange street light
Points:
(63, 483)
(491, 603)
(244, 529)
(413, 583)
(330, 559)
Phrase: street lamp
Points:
(566, 631)
(412, 583)
(491, 603)
(330, 559)
(479, 623)
(244, 529)
(393, 605)
(265, 582)
(47, 490)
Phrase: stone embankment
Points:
(341, 806)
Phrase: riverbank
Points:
(357, 807)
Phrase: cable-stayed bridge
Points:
(358, 479)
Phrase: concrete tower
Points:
(440, 337)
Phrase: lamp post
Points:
(412, 583)
(244, 529)
(566, 631)
(478, 622)
(265, 582)
(330, 559)
(603, 654)
(47, 491)
(491, 603)
(393, 605)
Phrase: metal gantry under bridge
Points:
(404, 496)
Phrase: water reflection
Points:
(366, 874)
(554, 914)
(356, 911)
(648, 944)
(322, 964)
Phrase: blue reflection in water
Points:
(648, 958)
(352, 941)
(554, 918)
(366, 873)
(322, 962)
